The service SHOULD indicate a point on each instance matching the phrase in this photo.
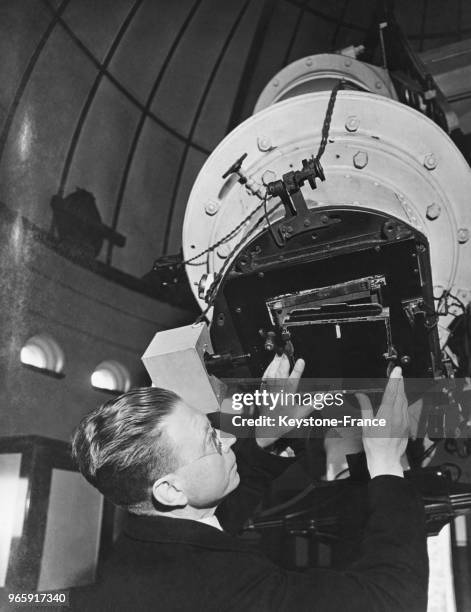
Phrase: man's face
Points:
(206, 475)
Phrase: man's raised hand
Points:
(384, 446)
(279, 368)
(277, 378)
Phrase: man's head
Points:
(147, 446)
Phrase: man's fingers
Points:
(272, 368)
(396, 375)
(283, 370)
(394, 406)
(365, 405)
(279, 368)
(394, 386)
(298, 369)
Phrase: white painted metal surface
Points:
(381, 155)
(321, 72)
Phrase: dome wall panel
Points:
(409, 17)
(185, 80)
(307, 44)
(332, 9)
(357, 15)
(146, 201)
(20, 33)
(102, 148)
(96, 23)
(43, 125)
(270, 61)
(194, 162)
(213, 122)
(144, 48)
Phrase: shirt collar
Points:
(212, 521)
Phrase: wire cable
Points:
(219, 277)
(212, 292)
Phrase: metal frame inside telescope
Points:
(359, 244)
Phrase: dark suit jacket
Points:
(168, 564)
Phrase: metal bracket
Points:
(289, 191)
(412, 308)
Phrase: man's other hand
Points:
(278, 370)
(384, 446)
(277, 378)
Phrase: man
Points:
(149, 451)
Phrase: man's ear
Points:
(168, 492)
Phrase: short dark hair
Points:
(120, 447)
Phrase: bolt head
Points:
(211, 207)
(463, 235)
(309, 61)
(360, 159)
(378, 84)
(352, 123)
(430, 161)
(268, 177)
(224, 250)
(433, 211)
(264, 143)
(276, 82)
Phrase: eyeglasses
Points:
(216, 442)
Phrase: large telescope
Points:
(333, 224)
(337, 216)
